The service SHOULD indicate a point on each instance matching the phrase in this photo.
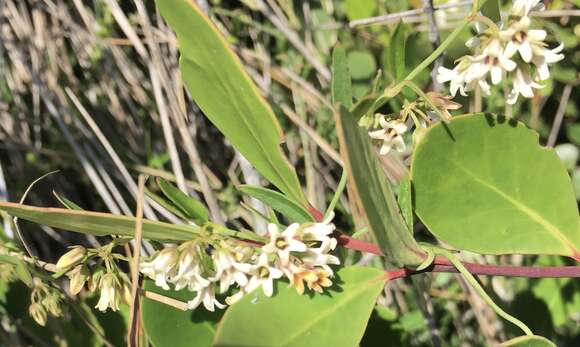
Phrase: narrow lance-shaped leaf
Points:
(484, 184)
(396, 52)
(405, 201)
(288, 319)
(279, 202)
(98, 224)
(192, 208)
(341, 87)
(225, 93)
(373, 190)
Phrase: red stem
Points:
(444, 265)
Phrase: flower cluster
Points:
(512, 51)
(389, 129)
(212, 264)
(44, 300)
(108, 279)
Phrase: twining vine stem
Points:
(441, 264)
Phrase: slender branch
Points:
(443, 265)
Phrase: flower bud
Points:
(93, 281)
(52, 304)
(71, 258)
(38, 313)
(78, 276)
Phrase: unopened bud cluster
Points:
(108, 280)
(389, 130)
(44, 300)
(212, 265)
(511, 51)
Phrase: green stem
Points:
(337, 194)
(473, 282)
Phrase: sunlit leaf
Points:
(97, 223)
(288, 319)
(484, 184)
(225, 93)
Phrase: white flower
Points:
(524, 85)
(110, 288)
(521, 38)
(391, 135)
(263, 275)
(322, 232)
(189, 273)
(162, 267)
(282, 243)
(228, 270)
(544, 56)
(207, 296)
(522, 8)
(320, 257)
(493, 60)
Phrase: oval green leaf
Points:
(484, 184)
(529, 341)
(225, 93)
(279, 202)
(167, 326)
(97, 223)
(336, 319)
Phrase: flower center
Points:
(281, 243)
(263, 272)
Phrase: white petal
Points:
(510, 49)
(399, 144)
(496, 73)
(506, 63)
(525, 50)
(537, 35)
(268, 287)
(377, 134)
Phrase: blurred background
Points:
(91, 88)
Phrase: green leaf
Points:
(405, 201)
(169, 206)
(528, 341)
(279, 202)
(373, 190)
(357, 9)
(396, 53)
(491, 9)
(191, 207)
(225, 93)
(361, 64)
(561, 295)
(484, 184)
(167, 326)
(341, 88)
(97, 223)
(288, 319)
(66, 202)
